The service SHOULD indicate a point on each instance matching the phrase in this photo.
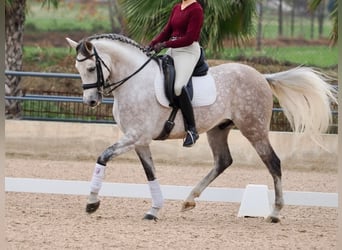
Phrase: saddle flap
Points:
(169, 77)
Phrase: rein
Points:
(100, 79)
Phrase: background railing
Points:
(53, 106)
(63, 108)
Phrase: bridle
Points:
(101, 83)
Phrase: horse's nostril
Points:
(92, 103)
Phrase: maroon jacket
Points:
(184, 27)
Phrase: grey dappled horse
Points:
(244, 99)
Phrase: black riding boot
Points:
(189, 120)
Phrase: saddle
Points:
(201, 69)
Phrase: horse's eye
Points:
(92, 69)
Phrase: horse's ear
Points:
(89, 46)
(72, 43)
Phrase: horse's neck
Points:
(124, 57)
(125, 60)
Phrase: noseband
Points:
(101, 83)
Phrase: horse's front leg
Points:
(145, 157)
(124, 145)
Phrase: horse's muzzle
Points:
(92, 100)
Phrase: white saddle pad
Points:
(204, 91)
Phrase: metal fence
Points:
(59, 106)
(52, 106)
(63, 108)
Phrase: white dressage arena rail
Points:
(215, 194)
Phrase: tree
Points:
(15, 11)
(116, 17)
(280, 18)
(224, 19)
(293, 14)
(320, 16)
(313, 5)
(14, 28)
(259, 27)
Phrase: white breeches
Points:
(185, 60)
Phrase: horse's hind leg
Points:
(271, 160)
(145, 157)
(217, 138)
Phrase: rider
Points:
(181, 35)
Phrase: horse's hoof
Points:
(188, 206)
(150, 217)
(273, 219)
(92, 207)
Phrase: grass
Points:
(318, 56)
(67, 17)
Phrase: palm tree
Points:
(333, 15)
(223, 19)
(14, 26)
(14, 29)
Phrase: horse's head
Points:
(93, 70)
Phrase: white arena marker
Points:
(255, 202)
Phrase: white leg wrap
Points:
(157, 196)
(96, 180)
(153, 211)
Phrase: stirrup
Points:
(190, 139)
